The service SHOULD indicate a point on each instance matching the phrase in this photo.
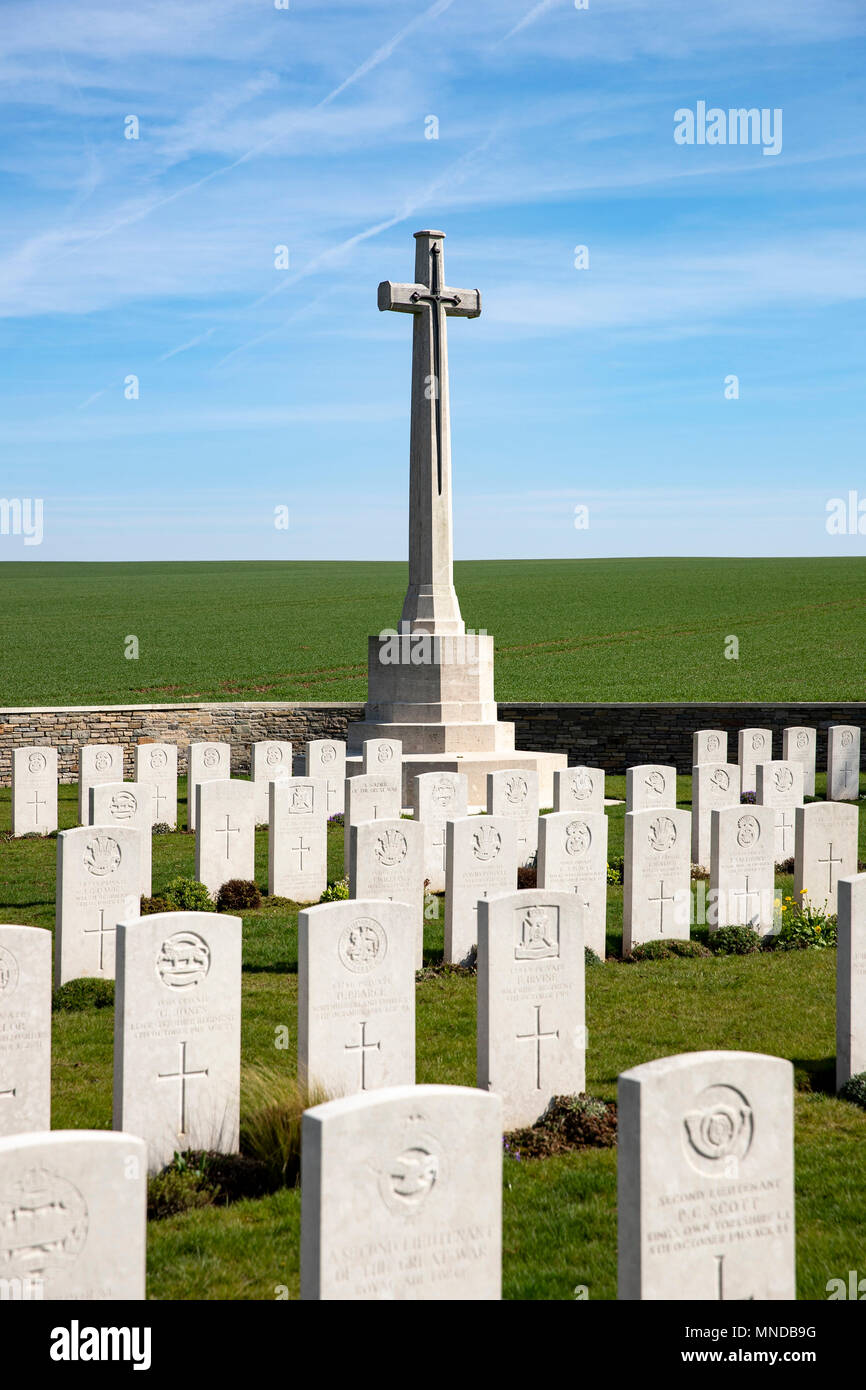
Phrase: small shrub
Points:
(615, 869)
(336, 890)
(83, 994)
(275, 902)
(855, 1089)
(749, 798)
(337, 819)
(785, 866)
(590, 958)
(239, 895)
(188, 895)
(273, 1104)
(263, 825)
(569, 1122)
(734, 941)
(162, 827)
(158, 904)
(527, 876)
(666, 949)
(698, 871)
(182, 1186)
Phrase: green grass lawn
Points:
(560, 1213)
(570, 630)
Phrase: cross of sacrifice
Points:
(300, 849)
(830, 861)
(36, 802)
(431, 601)
(182, 1076)
(661, 899)
(538, 1038)
(363, 1047)
(228, 829)
(103, 932)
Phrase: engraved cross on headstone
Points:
(363, 1047)
(158, 796)
(440, 843)
(228, 829)
(830, 861)
(36, 802)
(103, 932)
(8, 1095)
(748, 893)
(182, 1076)
(784, 831)
(431, 601)
(300, 849)
(661, 898)
(538, 1038)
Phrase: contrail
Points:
(368, 65)
(529, 18)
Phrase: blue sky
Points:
(262, 387)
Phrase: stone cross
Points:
(661, 898)
(103, 931)
(431, 601)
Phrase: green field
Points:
(560, 1212)
(569, 630)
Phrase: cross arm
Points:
(409, 299)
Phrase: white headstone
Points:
(714, 786)
(705, 1178)
(387, 861)
(780, 784)
(127, 803)
(98, 885)
(298, 838)
(742, 855)
(514, 793)
(531, 1014)
(97, 762)
(156, 768)
(270, 761)
(356, 995)
(850, 979)
(480, 860)
(377, 796)
(650, 786)
(825, 850)
(709, 746)
(25, 1030)
(177, 1032)
(73, 1215)
(326, 757)
(381, 755)
(207, 762)
(579, 789)
(572, 858)
(34, 790)
(437, 797)
(799, 745)
(656, 876)
(225, 836)
(753, 746)
(401, 1196)
(843, 762)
